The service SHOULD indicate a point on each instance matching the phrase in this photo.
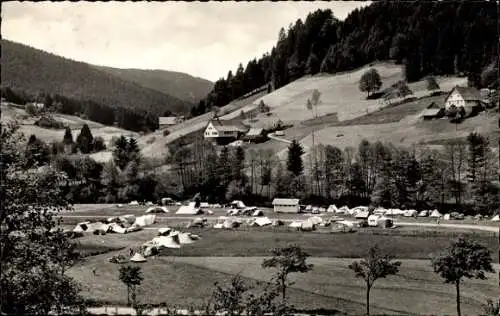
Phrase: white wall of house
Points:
(456, 99)
(278, 208)
(211, 132)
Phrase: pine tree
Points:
(120, 152)
(294, 161)
(68, 137)
(85, 139)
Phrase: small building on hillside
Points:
(167, 121)
(255, 135)
(223, 132)
(468, 98)
(286, 205)
(433, 111)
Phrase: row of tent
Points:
(362, 212)
(121, 225)
(224, 222)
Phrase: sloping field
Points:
(157, 148)
(186, 281)
(48, 135)
(340, 94)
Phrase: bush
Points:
(98, 144)
(166, 132)
(49, 122)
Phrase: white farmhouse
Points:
(223, 132)
(467, 98)
(286, 205)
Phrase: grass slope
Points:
(48, 135)
(176, 84)
(34, 70)
(187, 281)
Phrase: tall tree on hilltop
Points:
(294, 160)
(370, 81)
(85, 139)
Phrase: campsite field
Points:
(188, 281)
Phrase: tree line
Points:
(461, 176)
(428, 38)
(134, 120)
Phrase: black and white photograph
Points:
(250, 158)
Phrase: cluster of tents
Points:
(121, 225)
(336, 224)
(167, 238)
(224, 222)
(363, 212)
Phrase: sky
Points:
(205, 40)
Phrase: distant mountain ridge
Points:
(33, 71)
(177, 84)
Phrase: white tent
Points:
(332, 209)
(145, 220)
(204, 205)
(410, 213)
(138, 258)
(185, 238)
(189, 210)
(343, 210)
(157, 209)
(446, 217)
(133, 228)
(128, 218)
(435, 214)
(149, 203)
(258, 213)
(373, 220)
(237, 204)
(78, 229)
(134, 203)
(97, 226)
(423, 214)
(379, 211)
(315, 220)
(164, 231)
(496, 218)
(307, 225)
(233, 212)
(295, 224)
(263, 221)
(362, 214)
(322, 210)
(115, 228)
(166, 241)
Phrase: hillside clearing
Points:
(48, 135)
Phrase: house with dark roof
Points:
(167, 121)
(433, 111)
(224, 132)
(255, 135)
(468, 98)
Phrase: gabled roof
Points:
(255, 131)
(279, 201)
(167, 120)
(467, 93)
(228, 126)
(431, 112)
(433, 105)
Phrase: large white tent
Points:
(496, 218)
(145, 220)
(188, 210)
(263, 221)
(332, 209)
(238, 204)
(166, 241)
(157, 209)
(435, 214)
(138, 258)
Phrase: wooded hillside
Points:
(439, 38)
